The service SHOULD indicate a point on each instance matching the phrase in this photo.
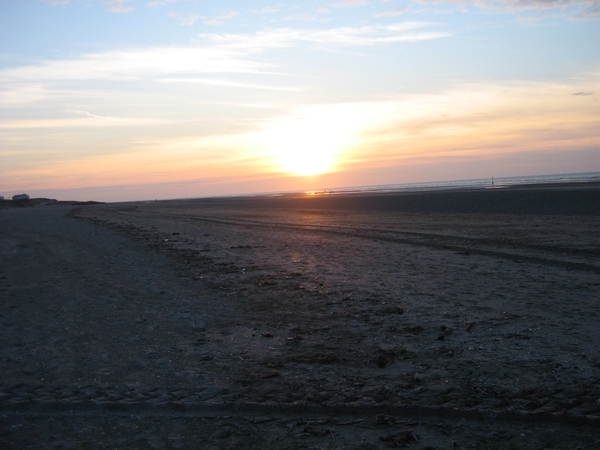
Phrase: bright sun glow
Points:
(307, 145)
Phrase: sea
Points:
(484, 183)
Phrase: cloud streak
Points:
(225, 54)
(118, 6)
(349, 3)
(576, 9)
(391, 13)
(220, 19)
(155, 4)
(185, 19)
(91, 121)
(226, 83)
(136, 65)
(342, 36)
(191, 19)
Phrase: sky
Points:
(119, 100)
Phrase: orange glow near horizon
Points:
(289, 152)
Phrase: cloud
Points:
(267, 10)
(224, 54)
(391, 13)
(474, 120)
(218, 20)
(592, 12)
(350, 3)
(191, 19)
(159, 3)
(520, 4)
(585, 94)
(89, 114)
(302, 17)
(20, 95)
(118, 6)
(185, 19)
(576, 9)
(226, 83)
(136, 64)
(343, 36)
(91, 121)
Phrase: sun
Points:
(306, 146)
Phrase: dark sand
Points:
(463, 319)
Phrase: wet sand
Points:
(457, 319)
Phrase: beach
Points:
(427, 320)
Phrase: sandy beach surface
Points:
(441, 320)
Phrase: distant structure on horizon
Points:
(20, 197)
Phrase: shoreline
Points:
(453, 186)
(539, 199)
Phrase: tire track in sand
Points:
(464, 245)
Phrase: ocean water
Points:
(487, 183)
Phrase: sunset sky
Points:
(129, 100)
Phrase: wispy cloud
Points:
(136, 64)
(585, 94)
(267, 10)
(349, 3)
(154, 4)
(185, 19)
(576, 9)
(477, 120)
(302, 17)
(118, 6)
(520, 4)
(394, 13)
(343, 36)
(56, 2)
(226, 83)
(218, 20)
(89, 114)
(22, 94)
(91, 121)
(190, 18)
(218, 54)
(224, 53)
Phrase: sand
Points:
(465, 319)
